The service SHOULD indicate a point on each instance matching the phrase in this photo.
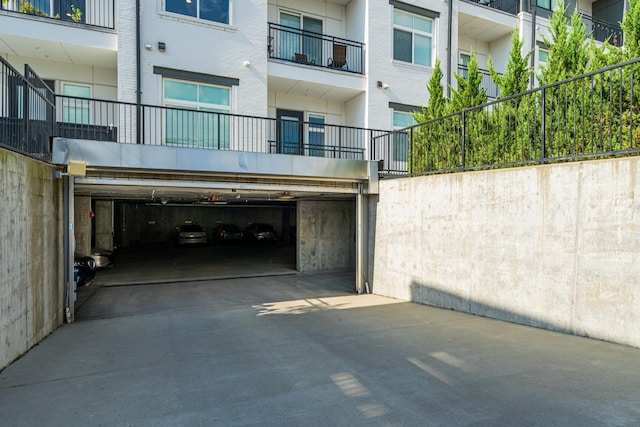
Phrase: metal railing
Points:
(31, 114)
(97, 13)
(487, 83)
(509, 6)
(601, 30)
(318, 50)
(595, 115)
(105, 120)
(27, 112)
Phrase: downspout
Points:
(532, 59)
(449, 42)
(138, 73)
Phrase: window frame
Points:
(397, 155)
(78, 105)
(197, 121)
(197, 16)
(432, 36)
(315, 129)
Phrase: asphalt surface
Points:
(304, 350)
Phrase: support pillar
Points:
(69, 249)
(360, 235)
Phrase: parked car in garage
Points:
(190, 234)
(84, 269)
(102, 257)
(228, 232)
(261, 232)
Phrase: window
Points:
(210, 10)
(308, 41)
(413, 39)
(401, 120)
(75, 110)
(465, 58)
(203, 126)
(316, 135)
(547, 4)
(543, 55)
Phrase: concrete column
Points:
(326, 235)
(69, 249)
(360, 234)
(103, 223)
(82, 224)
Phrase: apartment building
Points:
(342, 62)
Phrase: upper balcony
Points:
(54, 30)
(82, 12)
(509, 6)
(306, 63)
(314, 49)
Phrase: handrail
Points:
(594, 115)
(315, 49)
(94, 14)
(106, 120)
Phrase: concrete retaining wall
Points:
(554, 246)
(31, 246)
(326, 235)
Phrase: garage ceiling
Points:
(209, 190)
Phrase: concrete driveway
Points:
(292, 350)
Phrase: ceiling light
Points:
(286, 195)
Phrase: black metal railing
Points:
(106, 120)
(318, 50)
(601, 30)
(94, 13)
(509, 6)
(27, 112)
(487, 83)
(595, 115)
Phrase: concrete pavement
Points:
(298, 349)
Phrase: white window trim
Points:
(302, 15)
(307, 119)
(194, 106)
(433, 35)
(62, 83)
(393, 152)
(197, 104)
(163, 13)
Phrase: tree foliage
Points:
(469, 92)
(568, 47)
(591, 115)
(516, 78)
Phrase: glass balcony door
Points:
(303, 38)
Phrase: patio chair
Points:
(339, 59)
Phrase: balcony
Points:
(82, 12)
(510, 6)
(487, 82)
(316, 50)
(601, 30)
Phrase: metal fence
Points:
(314, 49)
(27, 112)
(595, 115)
(601, 30)
(97, 13)
(128, 123)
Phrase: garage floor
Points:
(302, 349)
(167, 262)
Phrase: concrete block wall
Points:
(326, 235)
(31, 246)
(554, 246)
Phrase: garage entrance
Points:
(132, 197)
(310, 232)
